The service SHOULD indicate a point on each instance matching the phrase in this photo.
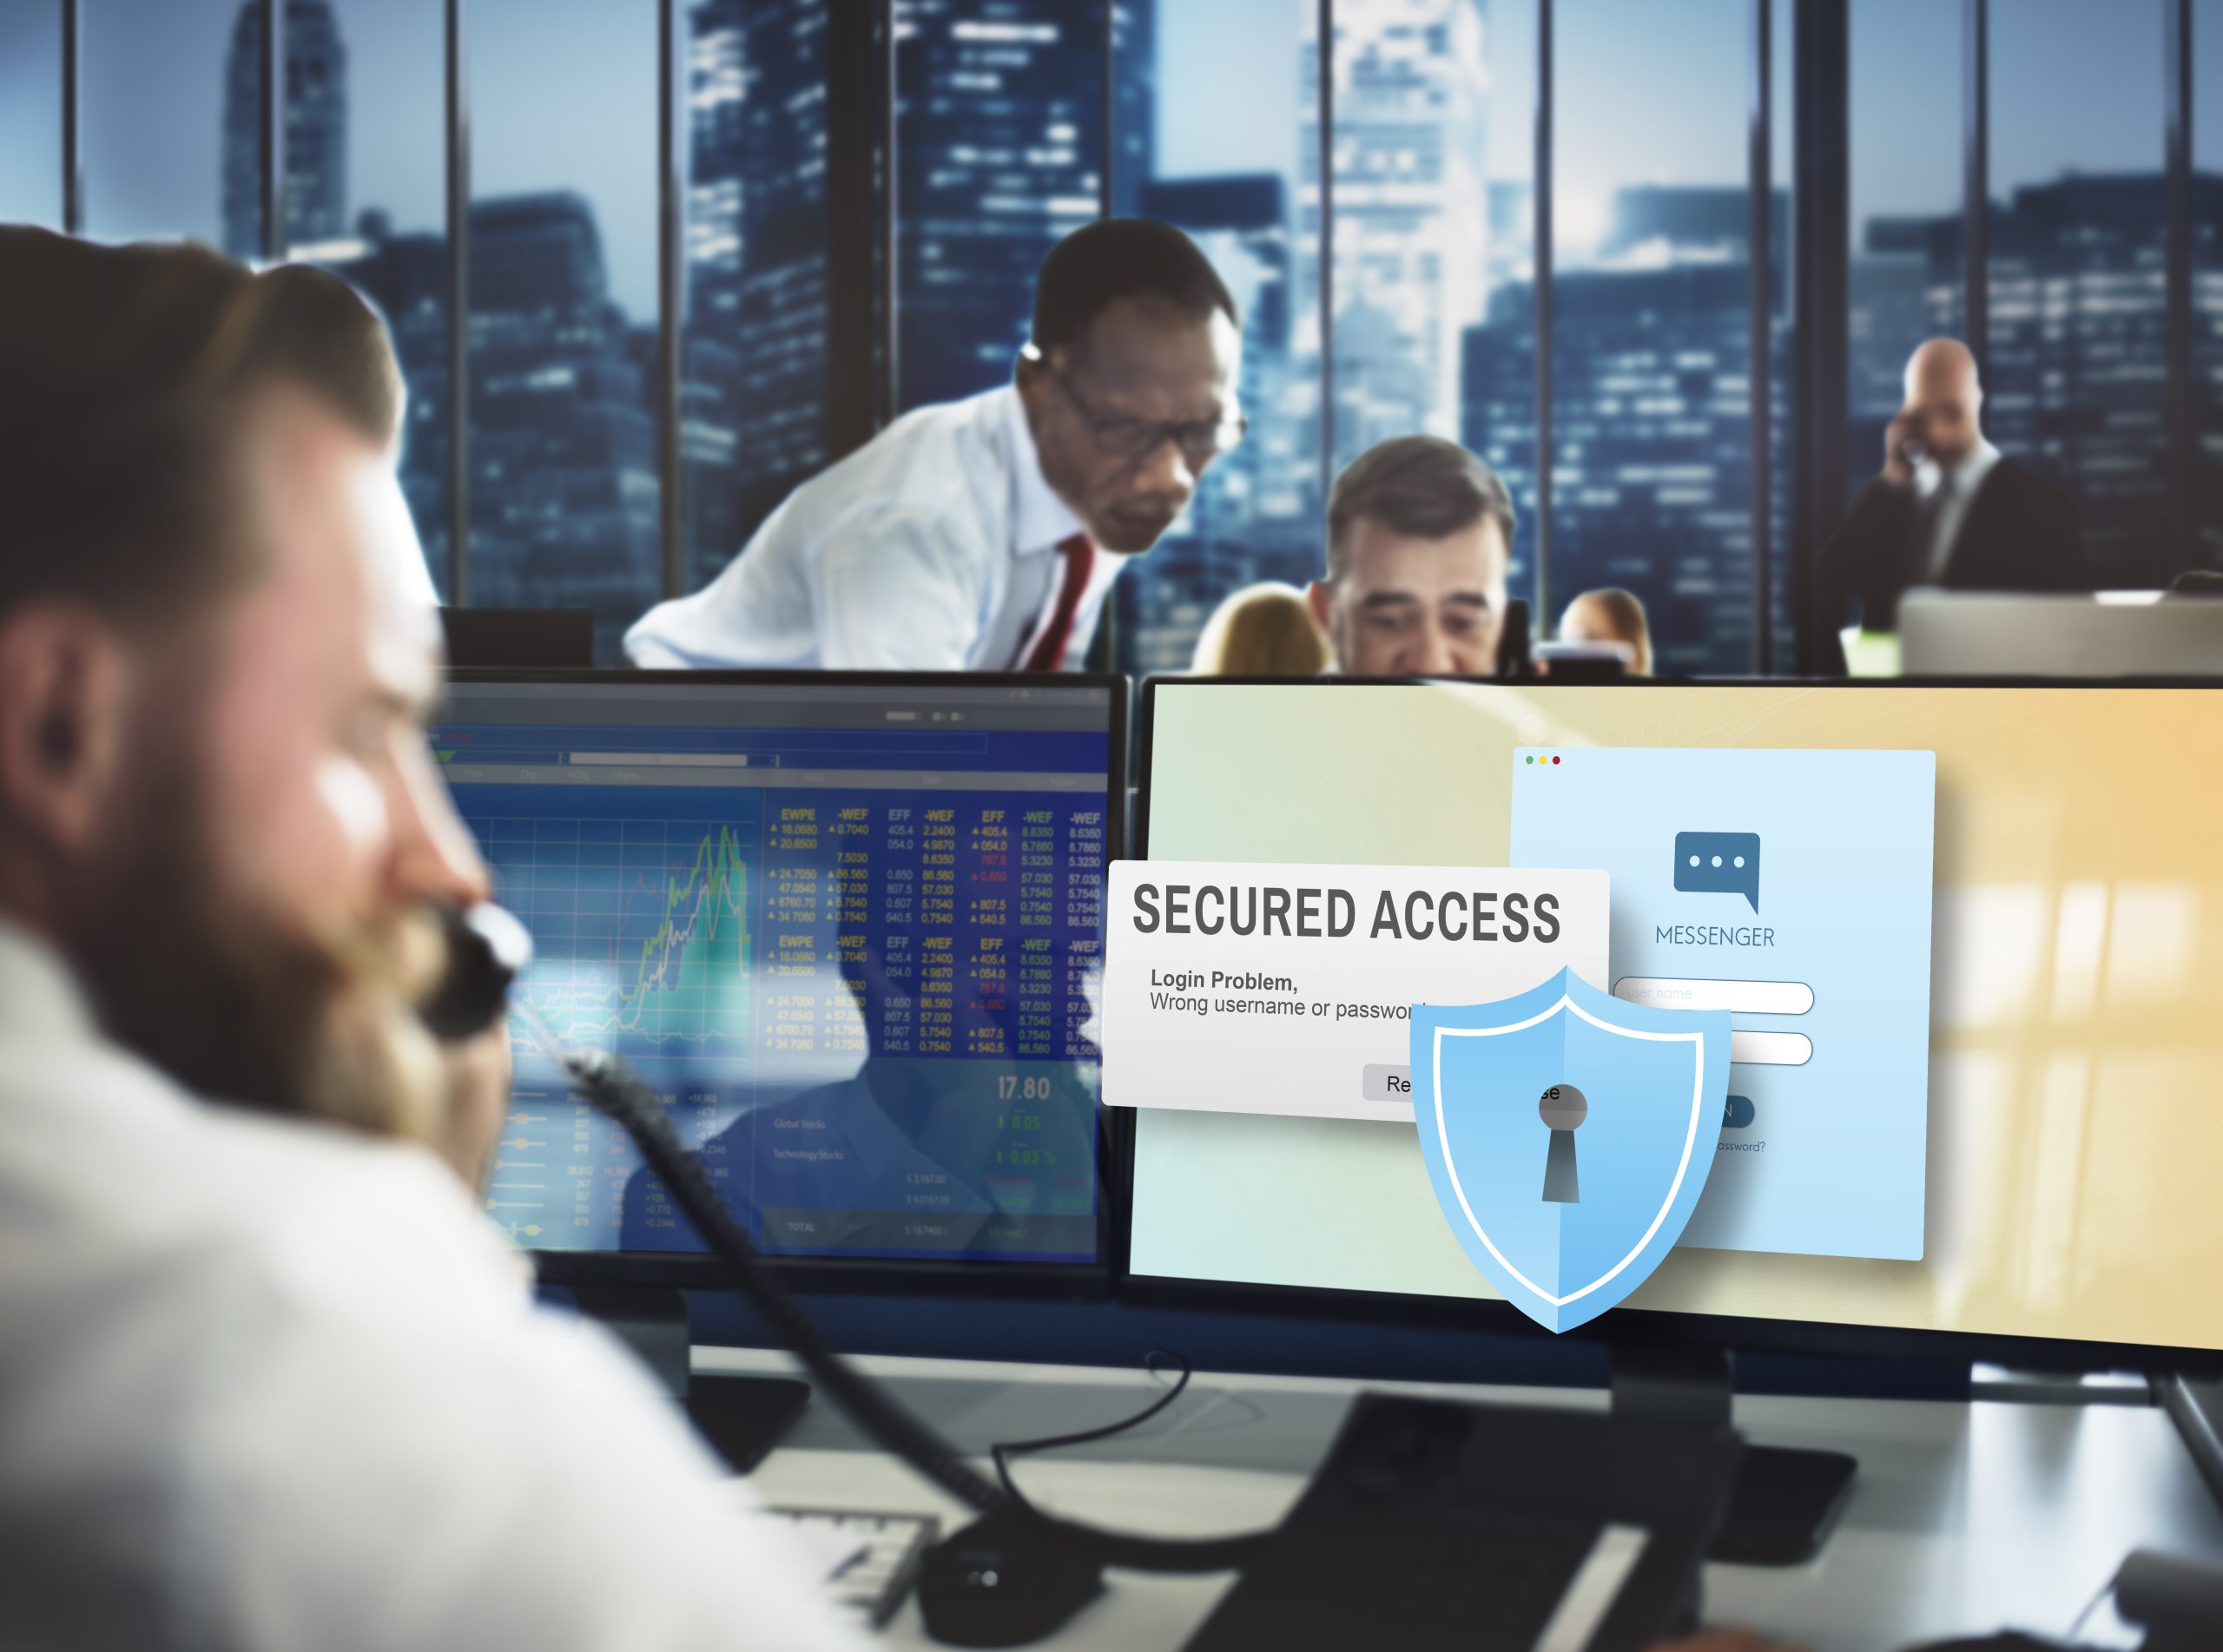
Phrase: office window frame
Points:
(861, 197)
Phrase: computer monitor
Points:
(841, 922)
(2021, 1159)
(2107, 634)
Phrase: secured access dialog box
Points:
(1290, 989)
(1793, 889)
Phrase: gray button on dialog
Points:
(1385, 1083)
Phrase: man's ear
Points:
(63, 683)
(1322, 596)
(1033, 379)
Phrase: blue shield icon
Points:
(1568, 1136)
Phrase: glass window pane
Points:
(1904, 282)
(160, 130)
(756, 385)
(2207, 280)
(1431, 211)
(1498, 361)
(2078, 244)
(1410, 79)
(366, 196)
(1651, 469)
(1000, 138)
(1225, 170)
(1783, 344)
(564, 491)
(30, 112)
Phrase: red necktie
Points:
(1080, 563)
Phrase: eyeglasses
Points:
(1200, 440)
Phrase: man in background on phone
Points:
(1419, 537)
(1948, 508)
(269, 1377)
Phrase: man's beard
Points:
(239, 1005)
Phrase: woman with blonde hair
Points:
(1264, 630)
(1611, 615)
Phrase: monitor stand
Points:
(742, 1418)
(1784, 1501)
(2197, 1409)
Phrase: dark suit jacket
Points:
(2018, 534)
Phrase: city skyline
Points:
(999, 151)
(163, 62)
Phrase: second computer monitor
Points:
(2129, 634)
(842, 922)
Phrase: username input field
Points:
(1738, 997)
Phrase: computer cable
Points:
(488, 948)
(613, 1089)
(1001, 1453)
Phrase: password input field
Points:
(1740, 997)
(1770, 1049)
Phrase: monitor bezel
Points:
(1633, 1327)
(841, 1275)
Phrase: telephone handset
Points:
(1056, 1562)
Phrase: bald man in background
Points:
(1948, 508)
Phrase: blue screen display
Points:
(856, 961)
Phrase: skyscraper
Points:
(563, 501)
(407, 276)
(315, 129)
(999, 152)
(755, 404)
(1410, 227)
(1652, 463)
(2079, 344)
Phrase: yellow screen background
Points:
(2074, 1173)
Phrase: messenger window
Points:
(1791, 888)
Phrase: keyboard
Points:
(876, 1556)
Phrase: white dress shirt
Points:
(267, 1385)
(933, 548)
(1951, 507)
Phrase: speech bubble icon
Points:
(1719, 863)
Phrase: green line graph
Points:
(643, 929)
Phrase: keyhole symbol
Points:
(1563, 1108)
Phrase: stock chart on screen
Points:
(850, 934)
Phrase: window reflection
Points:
(1651, 360)
(31, 115)
(564, 478)
(999, 135)
(365, 195)
(1226, 170)
(1904, 278)
(755, 386)
(2078, 247)
(156, 80)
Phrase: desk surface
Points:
(1964, 1518)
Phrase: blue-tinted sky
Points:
(564, 96)
(30, 112)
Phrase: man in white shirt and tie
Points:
(269, 1377)
(984, 535)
